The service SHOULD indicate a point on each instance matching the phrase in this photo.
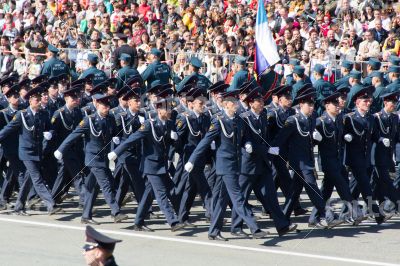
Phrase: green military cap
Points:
(394, 69)
(355, 74)
(194, 61)
(374, 63)
(241, 60)
(394, 60)
(52, 48)
(125, 57)
(377, 74)
(93, 58)
(347, 64)
(320, 69)
(155, 51)
(299, 70)
(294, 61)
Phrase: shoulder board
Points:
(91, 116)
(349, 114)
(123, 113)
(245, 114)
(323, 117)
(85, 108)
(23, 111)
(4, 110)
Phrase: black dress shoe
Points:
(189, 224)
(142, 228)
(55, 210)
(21, 213)
(218, 237)
(128, 198)
(260, 234)
(120, 217)
(240, 233)
(177, 227)
(299, 212)
(287, 229)
(89, 221)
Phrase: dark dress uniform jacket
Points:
(156, 142)
(30, 129)
(227, 135)
(98, 133)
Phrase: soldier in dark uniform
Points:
(99, 248)
(383, 148)
(355, 87)
(323, 87)
(297, 135)
(191, 126)
(54, 102)
(112, 91)
(156, 70)
(53, 66)
(358, 128)
(16, 169)
(156, 134)
(376, 81)
(5, 84)
(276, 120)
(345, 69)
(126, 71)
(244, 90)
(86, 95)
(329, 136)
(128, 164)
(124, 48)
(300, 80)
(24, 86)
(393, 61)
(394, 76)
(226, 131)
(33, 126)
(99, 75)
(274, 99)
(202, 82)
(255, 170)
(64, 121)
(99, 130)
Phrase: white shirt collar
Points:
(33, 112)
(331, 117)
(197, 114)
(101, 117)
(256, 115)
(132, 113)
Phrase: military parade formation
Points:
(172, 142)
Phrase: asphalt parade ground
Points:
(40, 239)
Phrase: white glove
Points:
(213, 145)
(188, 167)
(386, 142)
(348, 137)
(58, 155)
(112, 156)
(116, 140)
(248, 148)
(274, 150)
(174, 136)
(316, 135)
(47, 135)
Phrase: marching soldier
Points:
(5, 84)
(256, 172)
(297, 136)
(386, 135)
(191, 126)
(226, 131)
(276, 120)
(157, 135)
(54, 102)
(358, 128)
(64, 121)
(329, 136)
(16, 169)
(24, 86)
(300, 80)
(99, 130)
(33, 126)
(376, 80)
(53, 66)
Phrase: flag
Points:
(266, 50)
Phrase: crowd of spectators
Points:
(314, 31)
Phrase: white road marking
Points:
(203, 243)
